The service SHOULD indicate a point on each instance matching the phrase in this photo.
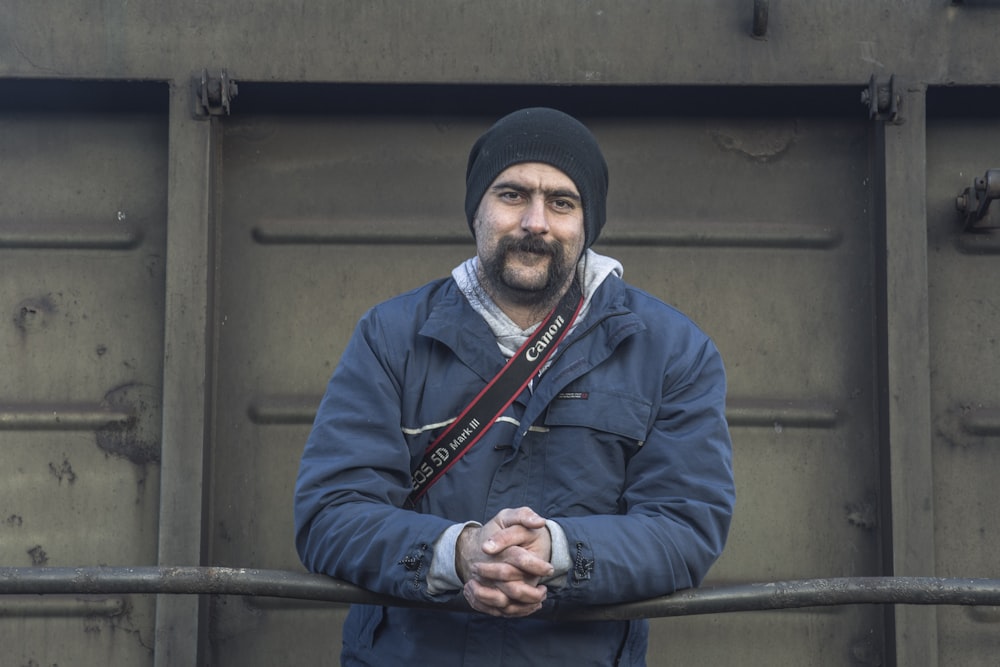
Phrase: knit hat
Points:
(547, 136)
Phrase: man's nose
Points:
(534, 219)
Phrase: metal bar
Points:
(906, 382)
(982, 421)
(20, 233)
(298, 585)
(767, 413)
(760, 14)
(58, 417)
(679, 233)
(778, 413)
(35, 606)
(186, 377)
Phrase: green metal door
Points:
(760, 227)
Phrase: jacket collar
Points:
(453, 322)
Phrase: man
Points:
(606, 479)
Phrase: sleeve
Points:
(354, 477)
(677, 501)
(443, 575)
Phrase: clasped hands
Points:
(503, 562)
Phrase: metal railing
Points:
(302, 586)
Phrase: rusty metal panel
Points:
(963, 267)
(81, 318)
(757, 224)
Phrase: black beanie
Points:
(547, 136)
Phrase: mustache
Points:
(532, 244)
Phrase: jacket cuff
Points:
(442, 576)
(560, 555)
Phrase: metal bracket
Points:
(760, 12)
(974, 202)
(882, 100)
(212, 94)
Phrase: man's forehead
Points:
(536, 175)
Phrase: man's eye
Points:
(510, 196)
(563, 204)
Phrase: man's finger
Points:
(495, 602)
(510, 535)
(523, 516)
(514, 564)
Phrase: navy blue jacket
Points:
(623, 442)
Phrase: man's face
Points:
(529, 234)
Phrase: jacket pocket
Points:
(590, 438)
(612, 412)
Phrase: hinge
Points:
(212, 94)
(882, 100)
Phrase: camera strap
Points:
(453, 443)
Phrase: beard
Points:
(501, 280)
